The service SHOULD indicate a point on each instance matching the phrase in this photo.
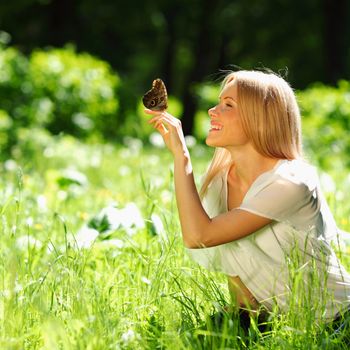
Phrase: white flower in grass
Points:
(74, 177)
(158, 181)
(62, 195)
(115, 253)
(17, 288)
(111, 218)
(190, 141)
(85, 237)
(153, 159)
(28, 241)
(41, 202)
(124, 170)
(112, 215)
(156, 140)
(129, 336)
(125, 153)
(6, 293)
(133, 144)
(29, 221)
(49, 152)
(91, 318)
(157, 224)
(131, 219)
(10, 165)
(199, 151)
(95, 161)
(145, 280)
(166, 196)
(117, 243)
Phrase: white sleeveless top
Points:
(290, 195)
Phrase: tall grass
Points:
(141, 293)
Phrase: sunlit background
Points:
(91, 254)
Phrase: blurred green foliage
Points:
(13, 99)
(204, 37)
(5, 128)
(326, 124)
(207, 95)
(59, 90)
(72, 92)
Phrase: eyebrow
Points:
(226, 97)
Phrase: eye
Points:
(228, 105)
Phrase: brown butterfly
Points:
(156, 99)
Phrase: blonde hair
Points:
(270, 118)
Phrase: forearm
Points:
(240, 294)
(193, 217)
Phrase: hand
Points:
(171, 130)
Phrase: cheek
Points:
(235, 125)
(236, 131)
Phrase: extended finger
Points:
(170, 120)
(161, 128)
(157, 123)
(154, 119)
(166, 117)
(149, 111)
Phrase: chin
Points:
(207, 141)
(211, 143)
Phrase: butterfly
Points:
(156, 99)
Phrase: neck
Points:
(248, 164)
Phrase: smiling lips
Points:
(215, 126)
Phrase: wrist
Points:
(182, 155)
(183, 161)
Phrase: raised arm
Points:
(198, 229)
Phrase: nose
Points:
(212, 112)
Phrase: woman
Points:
(259, 199)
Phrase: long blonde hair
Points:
(270, 118)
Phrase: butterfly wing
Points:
(156, 99)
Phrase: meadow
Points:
(92, 256)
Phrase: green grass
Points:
(130, 289)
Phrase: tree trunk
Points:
(170, 49)
(205, 59)
(63, 25)
(335, 39)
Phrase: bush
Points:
(326, 121)
(75, 93)
(13, 95)
(59, 90)
(13, 76)
(5, 129)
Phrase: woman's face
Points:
(226, 127)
